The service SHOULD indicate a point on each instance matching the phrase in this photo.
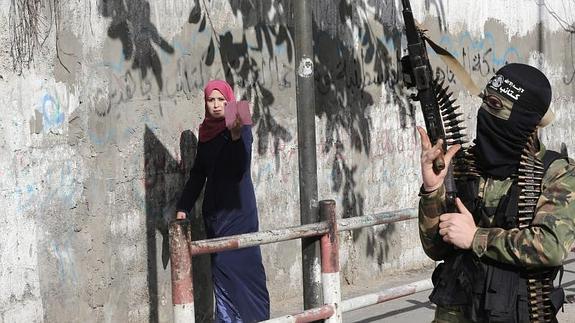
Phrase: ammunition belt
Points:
(540, 285)
(530, 176)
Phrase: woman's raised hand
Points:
(236, 129)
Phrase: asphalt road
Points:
(417, 308)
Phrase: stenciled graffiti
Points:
(191, 77)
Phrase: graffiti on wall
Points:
(57, 186)
(51, 109)
(478, 56)
(51, 106)
(63, 253)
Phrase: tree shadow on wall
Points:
(165, 178)
(439, 12)
(345, 77)
(375, 248)
(132, 26)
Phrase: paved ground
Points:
(417, 308)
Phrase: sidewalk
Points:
(408, 309)
(417, 308)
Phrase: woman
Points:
(223, 163)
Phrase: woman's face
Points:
(216, 103)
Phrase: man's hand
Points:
(236, 129)
(458, 228)
(431, 180)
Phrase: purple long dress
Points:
(229, 208)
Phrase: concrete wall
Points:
(100, 103)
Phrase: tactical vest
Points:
(488, 291)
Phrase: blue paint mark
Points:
(445, 41)
(95, 140)
(67, 185)
(66, 266)
(167, 58)
(180, 48)
(388, 43)
(50, 108)
(482, 46)
(510, 55)
(118, 66)
(103, 139)
(281, 49)
(263, 172)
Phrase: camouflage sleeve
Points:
(548, 240)
(431, 206)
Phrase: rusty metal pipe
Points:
(304, 231)
(330, 279)
(181, 269)
(311, 315)
(386, 295)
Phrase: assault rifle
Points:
(439, 113)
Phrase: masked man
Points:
(514, 222)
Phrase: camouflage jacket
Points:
(545, 243)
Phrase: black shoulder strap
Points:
(548, 159)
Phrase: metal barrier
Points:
(181, 269)
(182, 249)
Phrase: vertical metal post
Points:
(181, 268)
(330, 261)
(540, 36)
(305, 96)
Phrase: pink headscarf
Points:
(211, 126)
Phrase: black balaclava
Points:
(514, 102)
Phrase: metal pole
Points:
(330, 261)
(386, 295)
(181, 268)
(305, 97)
(540, 35)
(199, 247)
(311, 315)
